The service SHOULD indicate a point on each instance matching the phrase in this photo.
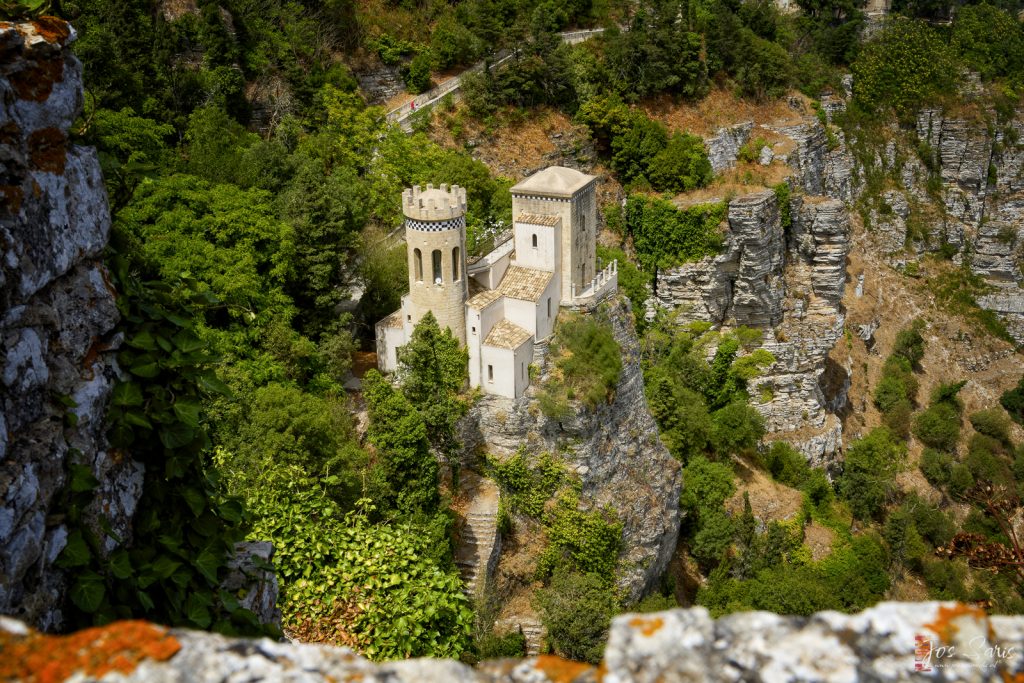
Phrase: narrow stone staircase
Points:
(479, 544)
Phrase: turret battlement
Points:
(434, 204)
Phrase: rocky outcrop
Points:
(57, 314)
(57, 338)
(789, 285)
(724, 146)
(614, 450)
(742, 285)
(821, 160)
(889, 643)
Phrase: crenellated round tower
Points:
(435, 233)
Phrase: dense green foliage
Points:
(350, 581)
(906, 65)
(577, 611)
(869, 473)
(665, 235)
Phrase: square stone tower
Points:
(569, 194)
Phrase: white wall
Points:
(502, 380)
(546, 255)
(388, 341)
(522, 313)
(482, 321)
(545, 323)
(523, 357)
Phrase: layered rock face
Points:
(964, 184)
(57, 313)
(788, 283)
(614, 450)
(888, 643)
(57, 338)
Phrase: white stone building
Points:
(502, 304)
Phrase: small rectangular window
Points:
(474, 329)
(535, 240)
(490, 373)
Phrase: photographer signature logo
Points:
(929, 653)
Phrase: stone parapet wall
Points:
(888, 643)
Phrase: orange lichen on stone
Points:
(94, 652)
(47, 150)
(10, 198)
(560, 670)
(945, 622)
(35, 82)
(648, 627)
(52, 29)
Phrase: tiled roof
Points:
(484, 298)
(554, 181)
(538, 219)
(506, 335)
(525, 284)
(393, 320)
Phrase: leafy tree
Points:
(399, 433)
(453, 43)
(905, 66)
(763, 67)
(737, 428)
(280, 426)
(417, 75)
(989, 40)
(348, 581)
(433, 368)
(577, 611)
(869, 472)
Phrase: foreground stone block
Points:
(889, 642)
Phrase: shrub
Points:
(960, 480)
(577, 611)
(938, 426)
(492, 646)
(1013, 401)
(682, 165)
(636, 146)
(910, 344)
(936, 466)
(665, 236)
(992, 422)
(786, 464)
(583, 540)
(589, 358)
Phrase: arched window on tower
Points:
(437, 266)
(417, 256)
(534, 240)
(455, 264)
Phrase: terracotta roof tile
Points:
(538, 219)
(484, 298)
(525, 284)
(506, 335)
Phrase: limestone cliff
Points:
(614, 450)
(57, 314)
(888, 643)
(58, 337)
(788, 283)
(960, 188)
